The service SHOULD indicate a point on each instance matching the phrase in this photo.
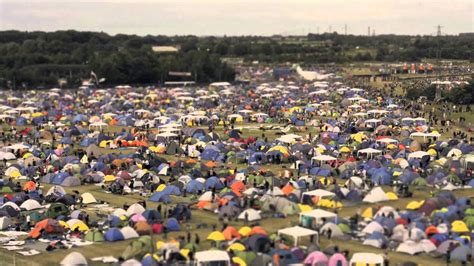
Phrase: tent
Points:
(251, 214)
(376, 195)
(74, 259)
(366, 259)
(113, 234)
(211, 257)
(316, 215)
(297, 232)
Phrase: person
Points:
(329, 233)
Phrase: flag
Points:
(95, 77)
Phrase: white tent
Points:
(30, 204)
(323, 158)
(74, 259)
(321, 193)
(376, 195)
(129, 232)
(366, 258)
(5, 222)
(208, 256)
(135, 209)
(369, 151)
(88, 198)
(318, 215)
(335, 230)
(373, 227)
(417, 154)
(252, 215)
(297, 232)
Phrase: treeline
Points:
(458, 95)
(40, 58)
(393, 48)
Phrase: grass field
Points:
(200, 217)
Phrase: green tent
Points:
(56, 209)
(138, 248)
(469, 220)
(246, 256)
(6, 189)
(94, 236)
(344, 228)
(192, 247)
(420, 182)
(469, 212)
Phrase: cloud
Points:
(232, 17)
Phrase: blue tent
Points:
(152, 216)
(79, 118)
(381, 176)
(160, 196)
(59, 178)
(213, 182)
(88, 141)
(113, 234)
(194, 186)
(211, 155)
(148, 260)
(172, 225)
(113, 221)
(172, 190)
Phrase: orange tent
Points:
(287, 189)
(30, 186)
(210, 164)
(258, 230)
(142, 228)
(48, 226)
(190, 160)
(203, 204)
(230, 233)
(431, 230)
(237, 186)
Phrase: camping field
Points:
(200, 217)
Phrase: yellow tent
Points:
(459, 227)
(391, 146)
(37, 114)
(216, 236)
(239, 261)
(295, 109)
(161, 187)
(280, 148)
(304, 208)
(245, 231)
(345, 149)
(109, 178)
(236, 247)
(156, 149)
(413, 205)
(368, 213)
(104, 143)
(391, 196)
(15, 174)
(432, 152)
(81, 226)
(63, 224)
(84, 159)
(359, 137)
(185, 252)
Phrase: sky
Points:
(239, 17)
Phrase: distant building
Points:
(164, 49)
